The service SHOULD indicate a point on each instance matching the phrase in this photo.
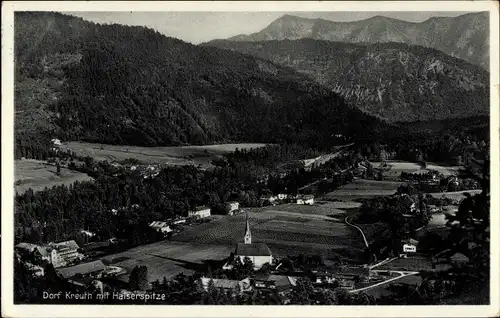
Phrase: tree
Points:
(303, 292)
(138, 279)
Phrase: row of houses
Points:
(287, 198)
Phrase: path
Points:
(385, 261)
(359, 229)
(401, 275)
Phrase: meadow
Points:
(37, 175)
(396, 167)
(186, 155)
(363, 189)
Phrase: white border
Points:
(10, 310)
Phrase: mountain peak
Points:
(456, 36)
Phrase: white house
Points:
(56, 142)
(233, 206)
(305, 199)
(410, 246)
(161, 226)
(282, 196)
(201, 211)
(87, 233)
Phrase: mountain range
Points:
(394, 81)
(117, 84)
(465, 36)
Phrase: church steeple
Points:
(248, 235)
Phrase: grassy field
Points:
(396, 167)
(304, 228)
(195, 155)
(363, 189)
(36, 174)
(287, 230)
(167, 258)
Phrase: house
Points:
(233, 206)
(25, 248)
(409, 246)
(322, 278)
(227, 284)
(459, 259)
(305, 199)
(91, 269)
(282, 196)
(35, 269)
(160, 226)
(258, 253)
(59, 254)
(56, 142)
(278, 283)
(87, 233)
(179, 221)
(201, 212)
(270, 199)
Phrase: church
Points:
(259, 253)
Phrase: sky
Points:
(198, 27)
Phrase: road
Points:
(401, 275)
(359, 229)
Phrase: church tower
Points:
(248, 235)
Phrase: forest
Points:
(114, 84)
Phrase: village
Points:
(81, 266)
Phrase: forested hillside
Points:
(394, 81)
(465, 36)
(131, 85)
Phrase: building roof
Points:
(85, 268)
(254, 249)
(27, 246)
(227, 283)
(305, 197)
(68, 244)
(410, 241)
(459, 257)
(158, 224)
(44, 251)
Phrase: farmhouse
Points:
(259, 253)
(161, 226)
(87, 233)
(233, 206)
(279, 283)
(410, 246)
(270, 199)
(305, 199)
(201, 212)
(459, 259)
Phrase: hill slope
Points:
(394, 81)
(465, 36)
(131, 85)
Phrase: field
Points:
(166, 155)
(396, 167)
(287, 229)
(168, 258)
(36, 174)
(363, 189)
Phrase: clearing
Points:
(186, 155)
(396, 167)
(37, 174)
(363, 189)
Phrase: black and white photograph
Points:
(265, 156)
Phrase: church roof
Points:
(254, 249)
